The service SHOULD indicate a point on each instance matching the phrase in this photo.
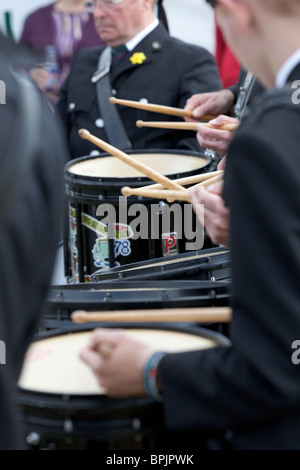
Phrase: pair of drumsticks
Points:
(188, 126)
(165, 187)
(174, 189)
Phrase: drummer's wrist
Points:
(151, 377)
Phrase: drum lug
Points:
(68, 426)
(213, 294)
(164, 295)
(33, 439)
(107, 298)
(60, 296)
(162, 208)
(136, 424)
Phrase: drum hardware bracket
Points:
(33, 439)
(68, 426)
(136, 424)
(60, 296)
(164, 295)
(162, 208)
(107, 298)
(212, 294)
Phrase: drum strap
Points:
(244, 94)
(114, 127)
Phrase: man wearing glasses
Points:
(247, 394)
(147, 65)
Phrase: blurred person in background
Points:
(57, 31)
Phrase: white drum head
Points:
(52, 365)
(112, 167)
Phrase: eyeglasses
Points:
(90, 6)
(212, 3)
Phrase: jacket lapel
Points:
(144, 53)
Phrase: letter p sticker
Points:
(170, 244)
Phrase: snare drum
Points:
(127, 295)
(63, 407)
(105, 229)
(212, 264)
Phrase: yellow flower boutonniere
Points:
(137, 58)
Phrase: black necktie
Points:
(118, 53)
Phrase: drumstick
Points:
(152, 174)
(169, 194)
(195, 179)
(186, 126)
(159, 109)
(210, 181)
(193, 314)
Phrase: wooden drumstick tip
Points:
(139, 123)
(112, 100)
(126, 191)
(84, 134)
(79, 316)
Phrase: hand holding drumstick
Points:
(121, 372)
(159, 109)
(219, 103)
(216, 214)
(214, 103)
(218, 135)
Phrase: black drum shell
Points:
(84, 194)
(62, 300)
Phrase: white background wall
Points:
(190, 20)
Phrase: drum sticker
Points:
(120, 233)
(73, 246)
(37, 355)
(94, 224)
(170, 244)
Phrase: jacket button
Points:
(99, 123)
